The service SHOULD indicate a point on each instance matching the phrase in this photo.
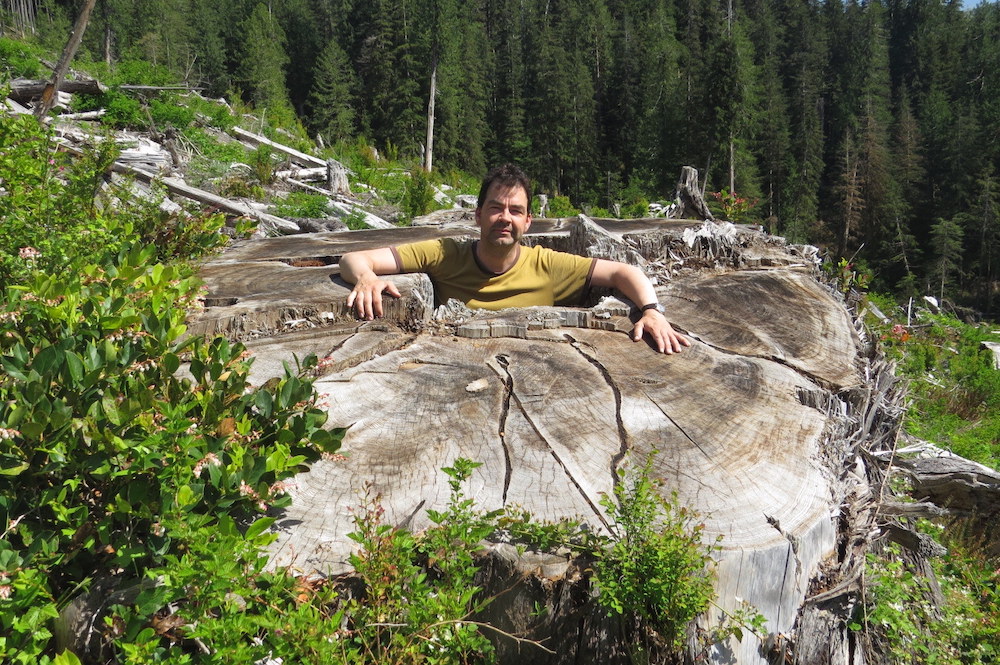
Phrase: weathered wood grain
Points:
(756, 425)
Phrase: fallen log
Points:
(268, 224)
(296, 155)
(26, 90)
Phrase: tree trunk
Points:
(689, 201)
(429, 152)
(757, 426)
(49, 95)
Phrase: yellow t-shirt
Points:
(541, 276)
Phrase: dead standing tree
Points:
(49, 94)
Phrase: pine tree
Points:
(331, 101)
(505, 25)
(264, 59)
(946, 239)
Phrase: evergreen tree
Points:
(304, 44)
(946, 239)
(461, 132)
(803, 59)
(330, 105)
(771, 131)
(263, 65)
(392, 74)
(505, 26)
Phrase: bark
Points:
(336, 177)
(26, 90)
(429, 153)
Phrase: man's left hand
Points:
(665, 339)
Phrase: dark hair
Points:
(507, 175)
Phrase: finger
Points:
(663, 343)
(377, 303)
(637, 331)
(365, 305)
(391, 289)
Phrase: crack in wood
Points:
(793, 552)
(508, 382)
(623, 435)
(504, 362)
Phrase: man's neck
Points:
(497, 260)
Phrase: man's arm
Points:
(635, 286)
(363, 269)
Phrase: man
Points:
(497, 271)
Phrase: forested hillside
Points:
(868, 127)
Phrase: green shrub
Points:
(139, 72)
(123, 111)
(636, 210)
(19, 60)
(302, 204)
(112, 461)
(262, 161)
(48, 209)
(210, 148)
(560, 206)
(656, 567)
(169, 112)
(418, 198)
(391, 625)
(898, 611)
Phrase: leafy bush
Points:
(169, 112)
(48, 206)
(390, 625)
(560, 206)
(302, 204)
(657, 567)
(113, 462)
(419, 194)
(19, 60)
(901, 616)
(123, 111)
(636, 210)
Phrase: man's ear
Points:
(476, 215)
(527, 223)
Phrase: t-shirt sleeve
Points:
(422, 256)
(570, 274)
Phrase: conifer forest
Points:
(870, 128)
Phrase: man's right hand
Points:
(363, 270)
(366, 298)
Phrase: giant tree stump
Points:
(757, 425)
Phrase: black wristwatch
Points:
(653, 305)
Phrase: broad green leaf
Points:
(185, 496)
(258, 527)
(75, 365)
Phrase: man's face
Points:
(505, 215)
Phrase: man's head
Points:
(507, 175)
(503, 212)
